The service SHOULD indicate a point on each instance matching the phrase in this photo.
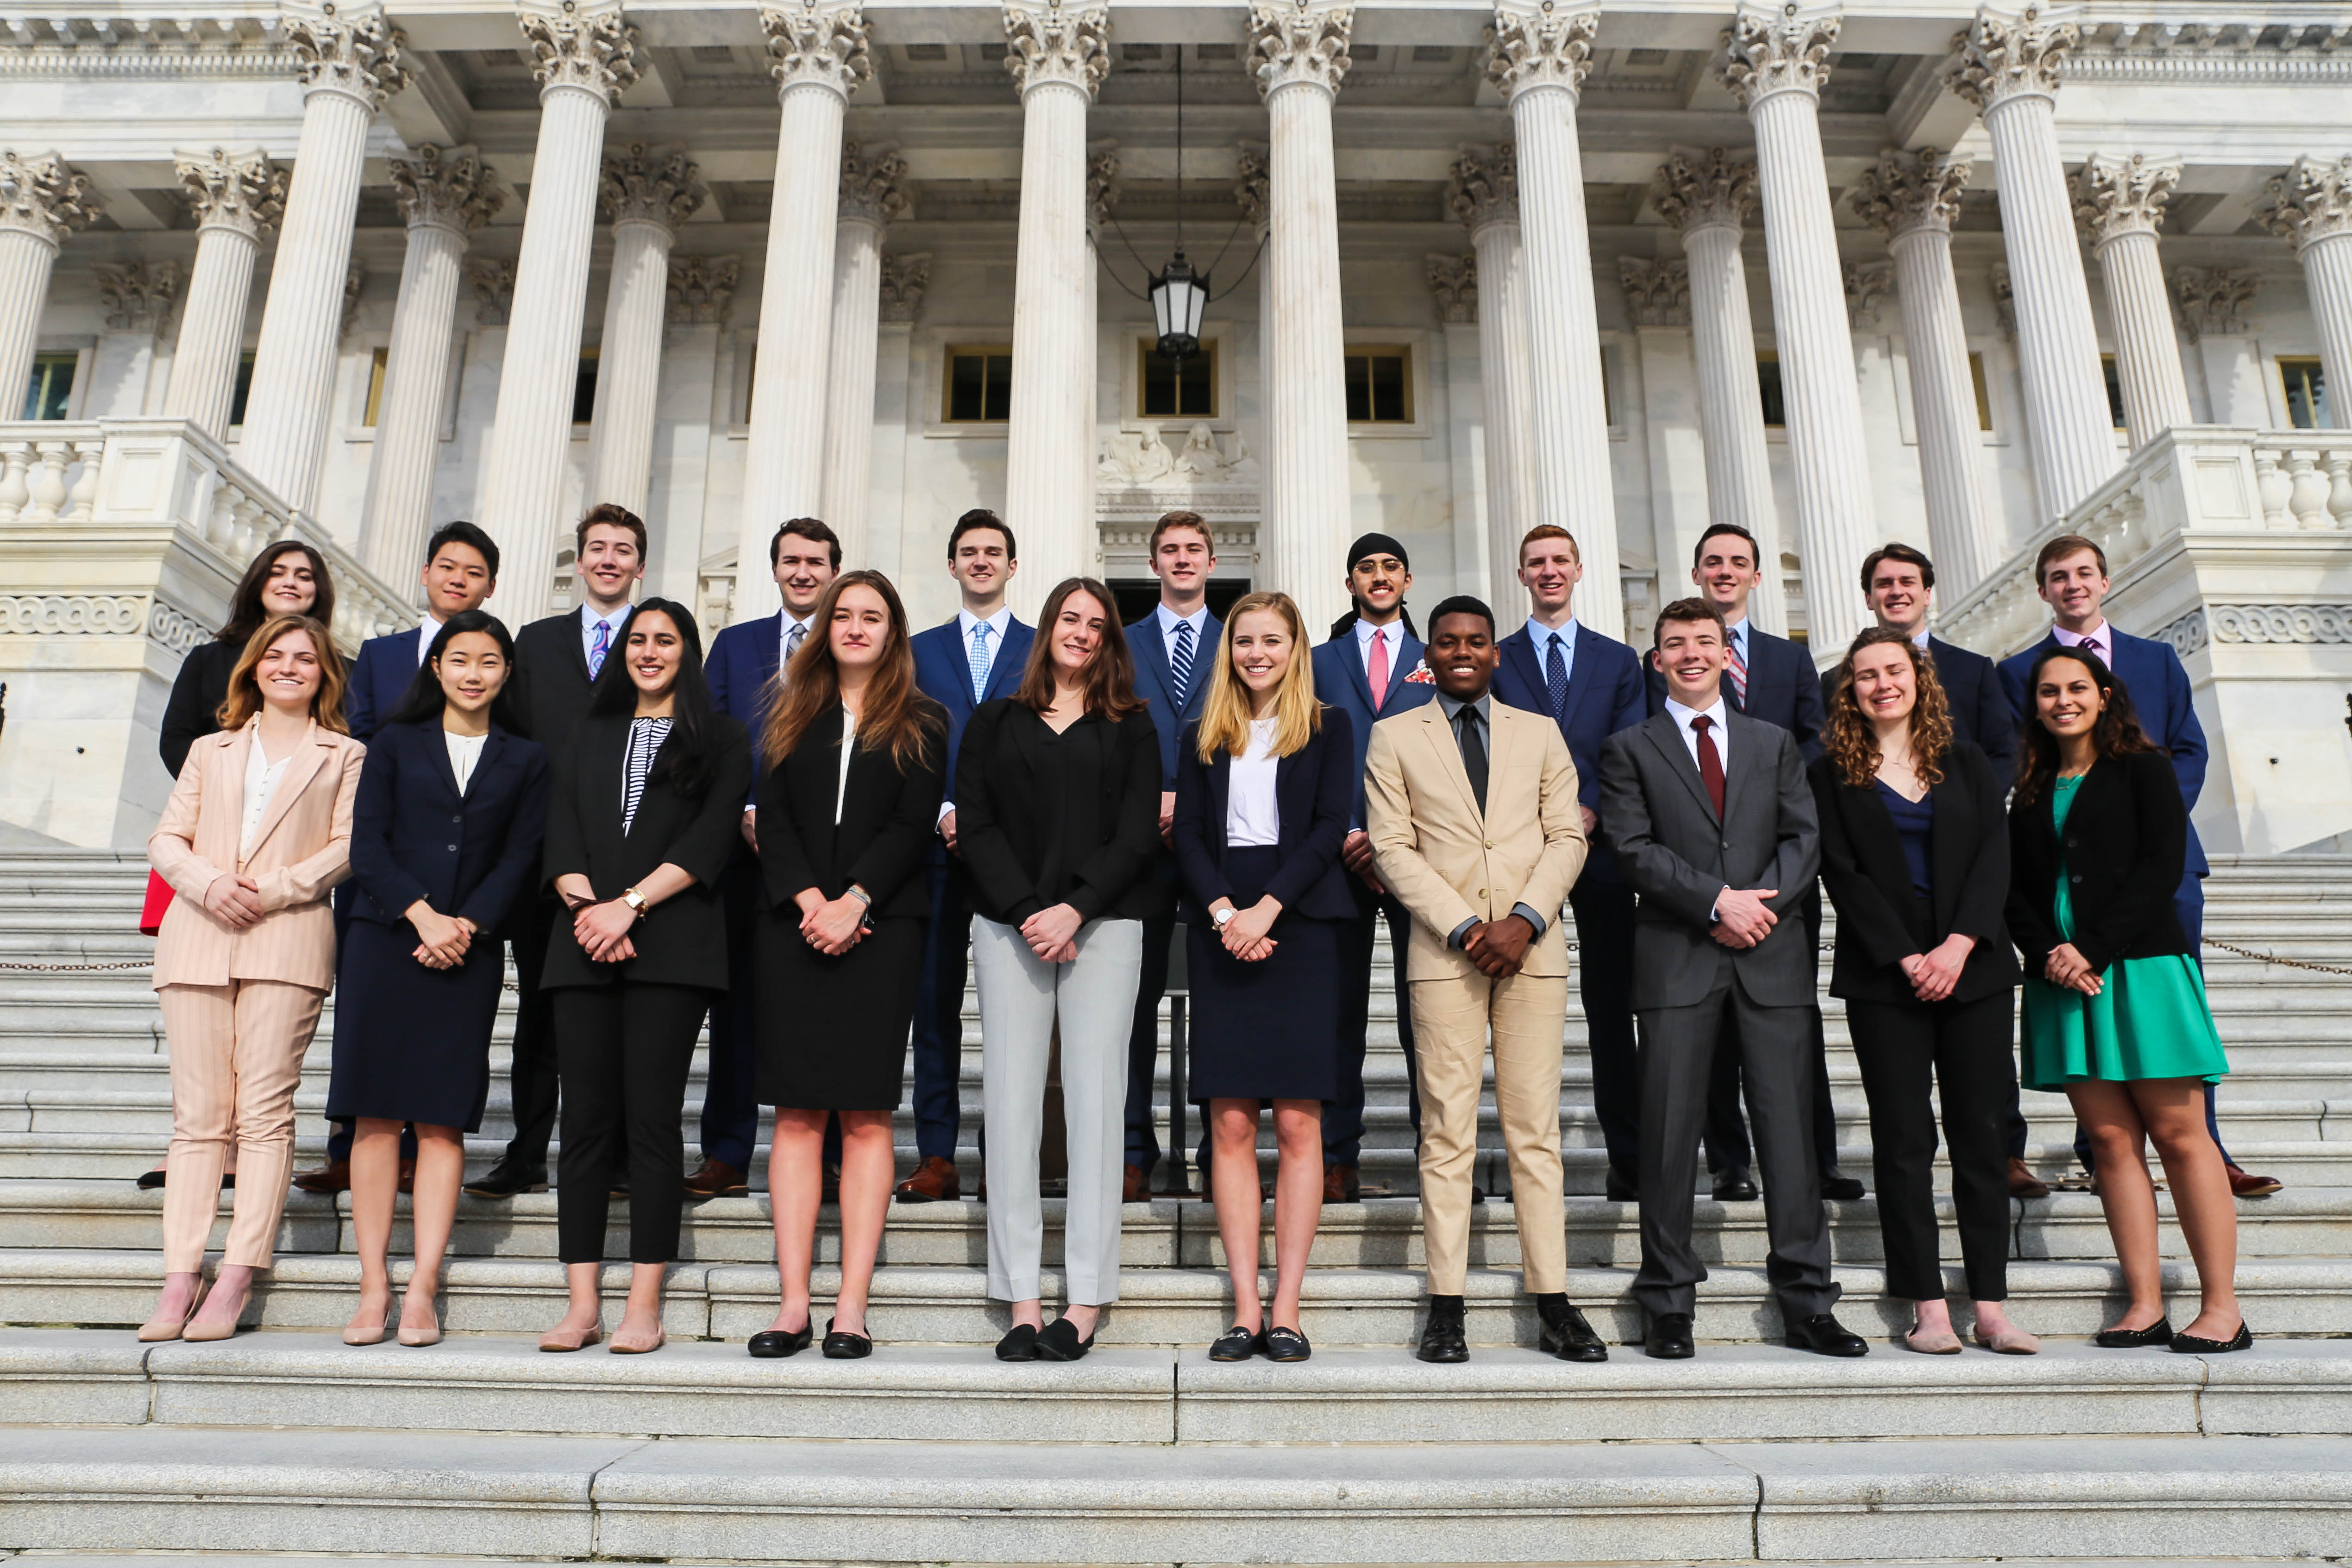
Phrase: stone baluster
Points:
(351, 64)
(444, 196)
(585, 57)
(2007, 65)
(1539, 52)
(82, 499)
(646, 196)
(49, 482)
(41, 202)
(1707, 197)
(16, 457)
(2311, 207)
(2120, 201)
(1912, 198)
(235, 201)
(1776, 62)
(873, 196)
(1484, 194)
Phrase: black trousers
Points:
(1727, 1135)
(532, 1080)
(1343, 1119)
(1604, 975)
(626, 1049)
(1961, 1050)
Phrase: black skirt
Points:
(413, 1044)
(833, 1031)
(1268, 1030)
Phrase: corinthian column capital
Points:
(2118, 196)
(1251, 185)
(41, 196)
(2213, 299)
(446, 188)
(138, 294)
(1103, 186)
(874, 184)
(589, 47)
(1910, 191)
(1779, 48)
(1062, 43)
(1453, 280)
(701, 288)
(1695, 190)
(246, 193)
(638, 186)
(2006, 55)
(353, 51)
(2310, 202)
(1541, 43)
(1484, 187)
(811, 43)
(1659, 292)
(1299, 42)
(904, 279)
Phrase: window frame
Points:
(1213, 348)
(2317, 406)
(949, 351)
(1377, 348)
(72, 359)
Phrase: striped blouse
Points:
(646, 737)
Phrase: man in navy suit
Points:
(1372, 669)
(976, 657)
(1773, 679)
(804, 555)
(2069, 574)
(1175, 647)
(1591, 687)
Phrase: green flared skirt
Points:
(2151, 1020)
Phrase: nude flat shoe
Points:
(2010, 1341)
(570, 1339)
(1941, 1343)
(617, 1348)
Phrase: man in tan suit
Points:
(1472, 809)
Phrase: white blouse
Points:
(464, 751)
(261, 777)
(1252, 815)
(848, 746)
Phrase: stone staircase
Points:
(285, 1441)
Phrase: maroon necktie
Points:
(1710, 762)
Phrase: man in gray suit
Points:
(1711, 820)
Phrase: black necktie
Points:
(1468, 731)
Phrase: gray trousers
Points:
(1677, 1051)
(1020, 999)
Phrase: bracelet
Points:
(860, 894)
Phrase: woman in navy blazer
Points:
(444, 839)
(1265, 789)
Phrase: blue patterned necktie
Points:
(1180, 663)
(597, 649)
(1556, 680)
(979, 660)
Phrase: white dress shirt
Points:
(999, 625)
(848, 747)
(465, 752)
(1735, 637)
(1393, 633)
(2103, 634)
(1199, 621)
(785, 625)
(590, 620)
(261, 777)
(1543, 636)
(1720, 733)
(1252, 811)
(426, 631)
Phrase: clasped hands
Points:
(1499, 948)
(2066, 967)
(1245, 935)
(1356, 854)
(832, 926)
(1052, 933)
(1934, 973)
(234, 901)
(442, 940)
(1742, 919)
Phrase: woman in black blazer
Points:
(1265, 785)
(645, 811)
(1057, 814)
(847, 810)
(444, 838)
(1914, 854)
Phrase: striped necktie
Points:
(1737, 668)
(1180, 663)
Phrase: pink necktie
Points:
(1379, 673)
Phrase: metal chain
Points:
(77, 968)
(2273, 958)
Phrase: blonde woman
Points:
(1264, 783)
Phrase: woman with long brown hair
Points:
(1914, 854)
(1057, 801)
(856, 763)
(2115, 1013)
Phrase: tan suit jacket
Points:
(302, 849)
(1449, 864)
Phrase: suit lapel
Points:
(1151, 656)
(1520, 648)
(574, 647)
(1351, 658)
(1449, 756)
(769, 655)
(1005, 664)
(1666, 736)
(1407, 662)
(437, 749)
(309, 756)
(1740, 765)
(1581, 683)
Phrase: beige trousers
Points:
(237, 1059)
(1451, 1020)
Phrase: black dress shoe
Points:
(1668, 1337)
(1562, 1331)
(840, 1345)
(1845, 1189)
(2192, 1344)
(1059, 1342)
(1824, 1335)
(149, 1180)
(504, 1181)
(1287, 1345)
(1622, 1188)
(1237, 1343)
(1735, 1187)
(2159, 1333)
(771, 1344)
(1020, 1344)
(1443, 1338)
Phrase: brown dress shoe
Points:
(831, 1193)
(2024, 1184)
(1131, 1187)
(716, 1179)
(1342, 1184)
(334, 1176)
(2245, 1187)
(934, 1181)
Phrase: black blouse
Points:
(1073, 818)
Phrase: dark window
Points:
(1984, 394)
(980, 386)
(243, 392)
(1171, 392)
(1380, 387)
(1139, 596)
(1767, 384)
(51, 389)
(2306, 394)
(2115, 390)
(584, 388)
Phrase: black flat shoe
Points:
(1058, 1341)
(1237, 1343)
(1021, 1344)
(1668, 1337)
(504, 1181)
(1824, 1335)
(149, 1180)
(1563, 1332)
(840, 1345)
(1443, 1339)
(1286, 1344)
(2159, 1333)
(771, 1344)
(2190, 1344)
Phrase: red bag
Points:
(159, 898)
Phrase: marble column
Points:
(817, 53)
(585, 57)
(351, 64)
(1776, 62)
(644, 195)
(1103, 192)
(1300, 51)
(41, 202)
(444, 196)
(2311, 207)
(234, 202)
(2120, 201)
(1484, 194)
(1912, 199)
(139, 299)
(1706, 197)
(872, 195)
(1249, 190)
(1539, 54)
(1057, 55)
(2213, 301)
(1663, 382)
(2007, 65)
(905, 277)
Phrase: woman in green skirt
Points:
(2115, 1003)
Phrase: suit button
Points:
(456, 819)
(1482, 892)
(2075, 878)
(453, 849)
(1490, 844)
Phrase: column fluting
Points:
(1483, 195)
(872, 195)
(2311, 207)
(2120, 201)
(41, 202)
(236, 201)
(644, 195)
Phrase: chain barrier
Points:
(2273, 958)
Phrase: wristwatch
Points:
(635, 900)
(1223, 917)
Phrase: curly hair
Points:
(2117, 732)
(1850, 742)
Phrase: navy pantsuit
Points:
(382, 675)
(742, 662)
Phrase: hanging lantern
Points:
(1177, 298)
